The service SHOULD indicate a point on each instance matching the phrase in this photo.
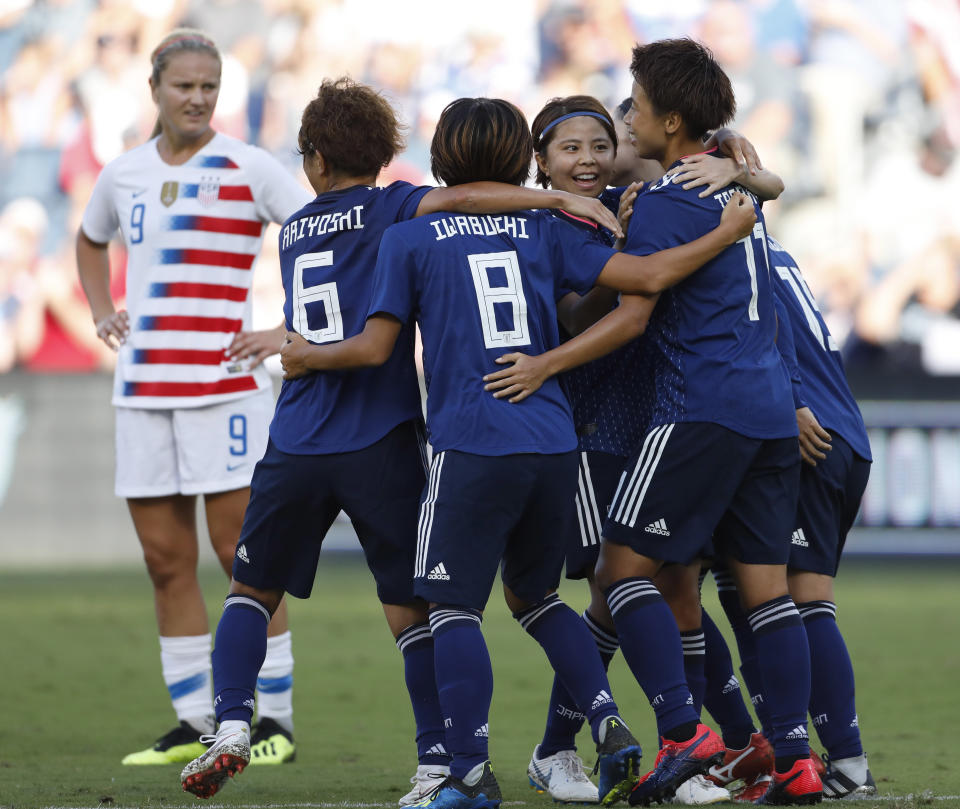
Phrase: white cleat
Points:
(848, 778)
(428, 778)
(698, 791)
(562, 776)
(227, 756)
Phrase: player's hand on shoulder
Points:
(626, 203)
(739, 215)
(256, 345)
(293, 356)
(592, 209)
(703, 169)
(524, 376)
(113, 329)
(734, 145)
(814, 440)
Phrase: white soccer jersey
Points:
(193, 233)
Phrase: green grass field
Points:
(82, 687)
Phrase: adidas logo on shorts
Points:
(242, 554)
(799, 539)
(439, 573)
(658, 527)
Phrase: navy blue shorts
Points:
(294, 500)
(479, 510)
(830, 495)
(693, 480)
(599, 475)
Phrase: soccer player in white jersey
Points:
(192, 401)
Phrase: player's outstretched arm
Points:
(651, 275)
(527, 373)
(489, 197)
(372, 347)
(93, 265)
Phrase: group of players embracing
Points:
(634, 382)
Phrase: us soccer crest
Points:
(168, 194)
(208, 191)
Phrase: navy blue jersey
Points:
(712, 336)
(328, 250)
(480, 287)
(819, 381)
(613, 396)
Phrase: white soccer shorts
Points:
(196, 450)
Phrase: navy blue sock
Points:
(832, 702)
(573, 655)
(694, 659)
(464, 684)
(564, 718)
(746, 646)
(238, 653)
(651, 646)
(784, 661)
(722, 698)
(416, 645)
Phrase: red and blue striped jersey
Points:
(193, 233)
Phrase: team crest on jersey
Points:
(208, 191)
(168, 194)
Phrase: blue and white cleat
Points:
(454, 793)
(562, 776)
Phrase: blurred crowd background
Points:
(855, 103)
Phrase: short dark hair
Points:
(352, 126)
(556, 108)
(624, 107)
(481, 139)
(680, 75)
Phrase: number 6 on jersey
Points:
(324, 294)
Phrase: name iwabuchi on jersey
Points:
(712, 336)
(193, 233)
(480, 287)
(328, 251)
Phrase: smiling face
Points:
(645, 128)
(186, 94)
(579, 157)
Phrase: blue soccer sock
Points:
(564, 718)
(722, 698)
(238, 653)
(694, 659)
(572, 653)
(416, 645)
(651, 646)
(464, 684)
(746, 645)
(832, 699)
(784, 660)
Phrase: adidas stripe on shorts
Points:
(479, 509)
(691, 481)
